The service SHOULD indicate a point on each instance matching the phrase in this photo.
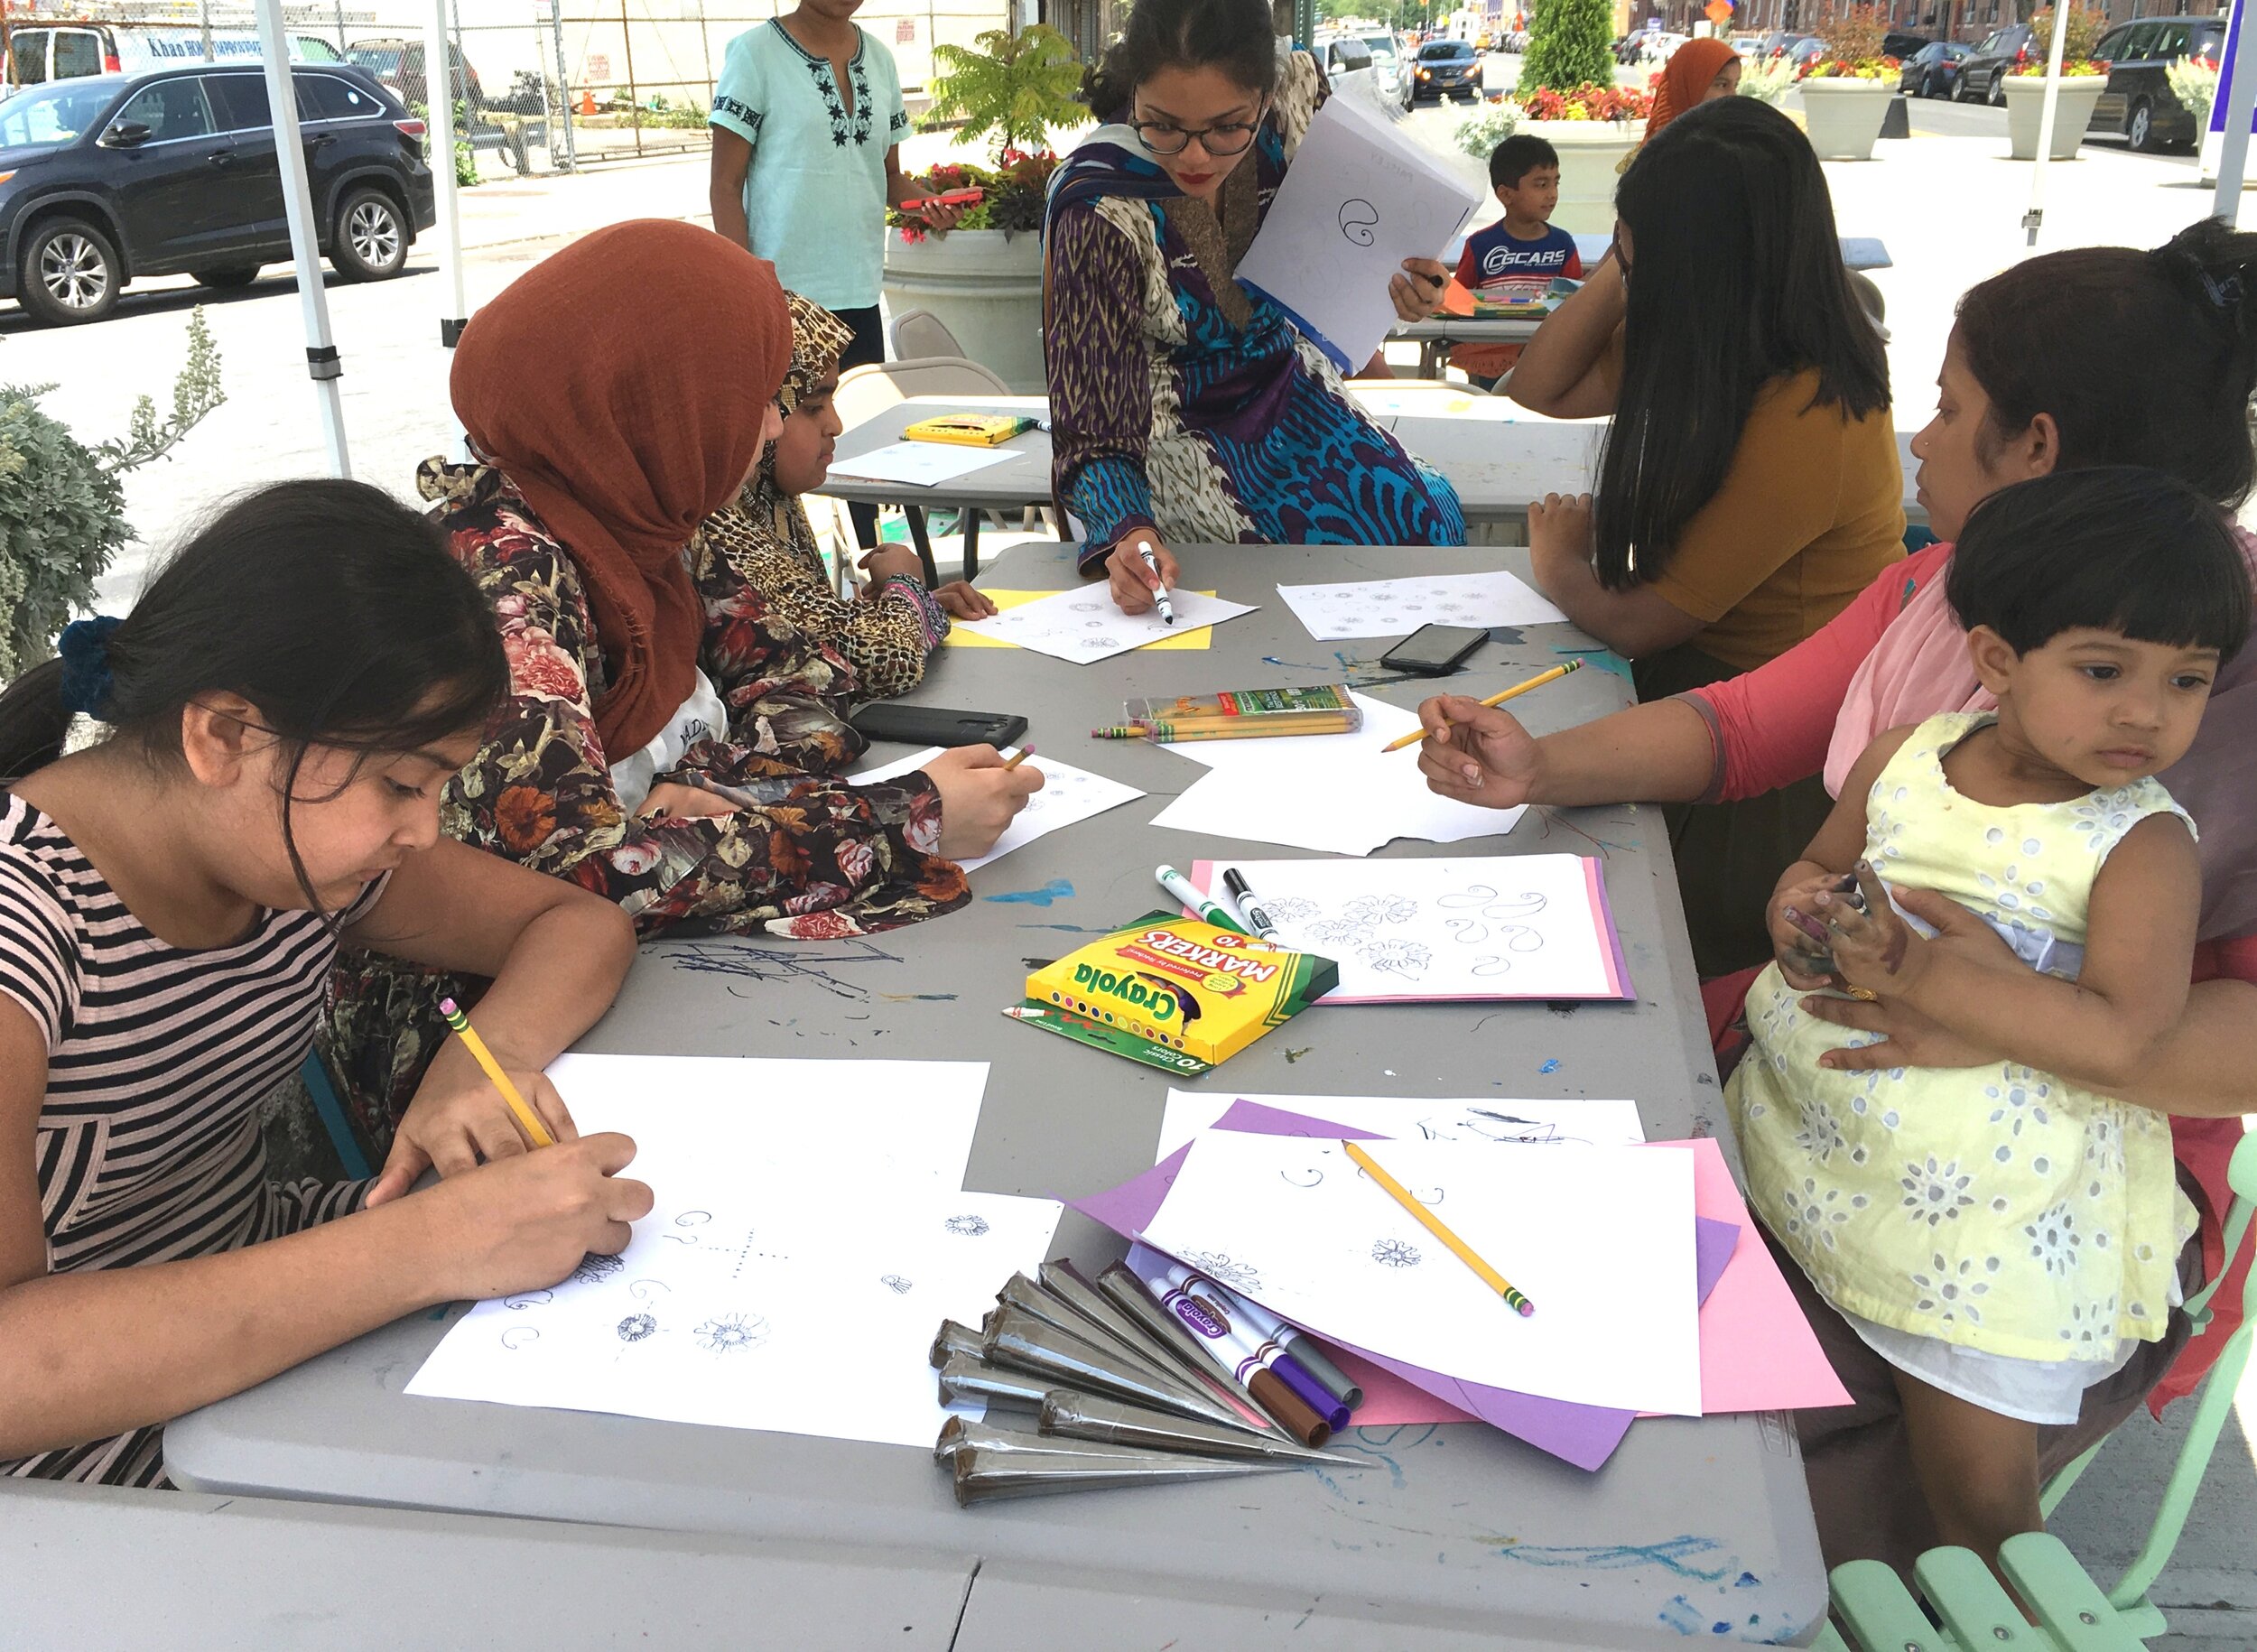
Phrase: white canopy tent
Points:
(324, 366)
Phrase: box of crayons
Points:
(1240, 713)
(967, 430)
(1173, 992)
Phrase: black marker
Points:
(1251, 905)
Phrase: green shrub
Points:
(1570, 45)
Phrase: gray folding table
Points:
(1456, 1533)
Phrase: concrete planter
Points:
(985, 287)
(1589, 153)
(1845, 115)
(2073, 112)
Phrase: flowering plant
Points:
(1852, 41)
(1013, 198)
(2076, 47)
(1588, 102)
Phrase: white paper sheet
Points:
(1359, 200)
(1082, 626)
(1069, 796)
(921, 464)
(1339, 792)
(807, 1236)
(1416, 930)
(1582, 1122)
(1599, 1238)
(1397, 608)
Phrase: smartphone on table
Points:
(1433, 651)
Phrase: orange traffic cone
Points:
(587, 105)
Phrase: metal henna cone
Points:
(1129, 1295)
(1132, 1353)
(1029, 1344)
(1066, 1414)
(966, 1381)
(986, 1476)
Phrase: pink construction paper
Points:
(1619, 987)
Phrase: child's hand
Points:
(960, 600)
(1874, 950)
(1559, 534)
(1799, 941)
(457, 1118)
(526, 1222)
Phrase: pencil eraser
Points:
(1527, 1308)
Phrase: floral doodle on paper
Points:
(634, 1327)
(895, 1283)
(594, 1268)
(966, 1227)
(1225, 1269)
(1395, 1253)
(727, 1332)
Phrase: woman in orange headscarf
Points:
(670, 742)
(1697, 71)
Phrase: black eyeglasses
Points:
(1165, 138)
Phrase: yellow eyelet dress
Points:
(1996, 1231)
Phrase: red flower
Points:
(538, 666)
(525, 816)
(824, 926)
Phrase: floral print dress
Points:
(806, 855)
(2000, 1212)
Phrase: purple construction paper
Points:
(1584, 1436)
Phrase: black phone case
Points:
(887, 719)
(1408, 655)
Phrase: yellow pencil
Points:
(1018, 758)
(1488, 1276)
(526, 1116)
(1539, 681)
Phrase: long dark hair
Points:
(330, 605)
(2120, 548)
(1234, 36)
(2142, 357)
(1735, 279)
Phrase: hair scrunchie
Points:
(84, 647)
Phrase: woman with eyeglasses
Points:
(1184, 408)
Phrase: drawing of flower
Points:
(1225, 1269)
(1292, 909)
(895, 1284)
(595, 1269)
(1380, 909)
(1399, 957)
(1934, 1193)
(1395, 1253)
(966, 1227)
(634, 1327)
(1337, 931)
(729, 1331)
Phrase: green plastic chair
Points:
(2074, 1615)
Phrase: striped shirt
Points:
(148, 1147)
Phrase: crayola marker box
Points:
(1174, 993)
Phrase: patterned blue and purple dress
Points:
(1181, 402)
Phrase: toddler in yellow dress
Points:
(2005, 1234)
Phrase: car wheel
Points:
(1997, 91)
(69, 273)
(2140, 129)
(370, 240)
(228, 279)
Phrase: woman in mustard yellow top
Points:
(1750, 486)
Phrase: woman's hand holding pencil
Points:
(1472, 751)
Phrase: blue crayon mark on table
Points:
(1056, 889)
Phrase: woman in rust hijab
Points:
(667, 743)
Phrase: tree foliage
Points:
(1570, 45)
(1013, 90)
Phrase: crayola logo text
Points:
(1194, 1313)
(1159, 1006)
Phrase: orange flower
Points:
(525, 816)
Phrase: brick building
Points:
(1967, 19)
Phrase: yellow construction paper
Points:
(1200, 638)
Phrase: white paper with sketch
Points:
(1600, 1240)
(1417, 931)
(921, 464)
(792, 1268)
(1584, 1122)
(1340, 792)
(1358, 199)
(1082, 625)
(1397, 608)
(1069, 796)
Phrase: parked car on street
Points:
(397, 66)
(1443, 69)
(1899, 45)
(1983, 73)
(1802, 53)
(2139, 104)
(1781, 41)
(107, 179)
(1343, 55)
(1933, 70)
(42, 51)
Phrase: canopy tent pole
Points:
(322, 364)
(2036, 213)
(2240, 93)
(439, 89)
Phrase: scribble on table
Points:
(727, 1332)
(754, 962)
(966, 1226)
(634, 1327)
(1395, 1253)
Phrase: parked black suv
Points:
(1983, 74)
(1443, 69)
(2138, 102)
(111, 177)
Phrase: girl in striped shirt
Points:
(282, 708)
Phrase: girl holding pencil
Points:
(276, 719)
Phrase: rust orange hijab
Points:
(1684, 80)
(621, 383)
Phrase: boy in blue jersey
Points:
(1518, 257)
